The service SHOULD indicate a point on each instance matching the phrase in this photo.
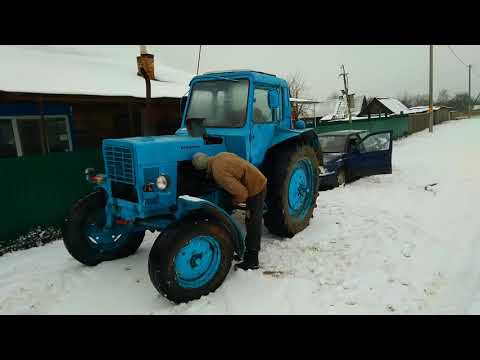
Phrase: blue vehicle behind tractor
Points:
(351, 154)
(150, 184)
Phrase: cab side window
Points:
(261, 111)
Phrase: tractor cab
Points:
(243, 109)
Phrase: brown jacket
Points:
(236, 175)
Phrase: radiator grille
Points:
(119, 164)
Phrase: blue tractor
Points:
(150, 184)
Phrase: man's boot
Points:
(250, 261)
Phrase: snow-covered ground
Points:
(382, 244)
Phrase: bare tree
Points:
(406, 99)
(298, 90)
(443, 97)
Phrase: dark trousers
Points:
(253, 221)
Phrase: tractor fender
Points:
(288, 137)
(193, 207)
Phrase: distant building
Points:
(441, 113)
(384, 106)
(336, 109)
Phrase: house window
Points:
(261, 110)
(22, 136)
(30, 137)
(7, 139)
(57, 135)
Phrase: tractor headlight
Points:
(162, 182)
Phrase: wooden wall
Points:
(97, 121)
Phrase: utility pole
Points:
(430, 98)
(345, 92)
(469, 91)
(199, 54)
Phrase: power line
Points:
(453, 52)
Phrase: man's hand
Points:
(239, 206)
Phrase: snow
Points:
(85, 70)
(387, 244)
(422, 109)
(306, 101)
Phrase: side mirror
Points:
(273, 99)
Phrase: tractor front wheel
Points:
(190, 259)
(87, 241)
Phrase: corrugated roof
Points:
(84, 70)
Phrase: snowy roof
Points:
(424, 108)
(305, 101)
(336, 108)
(84, 70)
(394, 105)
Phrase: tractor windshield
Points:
(222, 103)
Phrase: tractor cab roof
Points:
(237, 71)
(255, 76)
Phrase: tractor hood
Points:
(152, 150)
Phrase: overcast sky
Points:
(375, 70)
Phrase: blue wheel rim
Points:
(197, 263)
(300, 189)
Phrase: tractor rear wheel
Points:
(85, 239)
(190, 259)
(293, 180)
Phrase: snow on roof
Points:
(424, 108)
(84, 70)
(305, 101)
(336, 108)
(322, 108)
(394, 105)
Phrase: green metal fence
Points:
(398, 124)
(38, 190)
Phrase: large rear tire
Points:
(82, 232)
(293, 181)
(190, 259)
